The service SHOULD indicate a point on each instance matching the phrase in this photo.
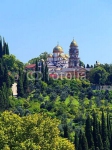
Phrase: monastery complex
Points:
(61, 65)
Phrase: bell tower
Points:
(74, 55)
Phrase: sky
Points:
(32, 27)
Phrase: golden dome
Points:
(66, 56)
(73, 43)
(58, 49)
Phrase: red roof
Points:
(53, 75)
(30, 66)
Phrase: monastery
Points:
(61, 65)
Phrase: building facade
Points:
(58, 59)
(61, 65)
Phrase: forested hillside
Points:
(53, 114)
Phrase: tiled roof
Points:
(30, 66)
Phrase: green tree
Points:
(32, 132)
(80, 141)
(12, 63)
(20, 89)
(7, 77)
(88, 130)
(76, 141)
(36, 71)
(66, 131)
(98, 75)
(106, 144)
(95, 129)
(25, 83)
(100, 144)
(43, 70)
(1, 47)
(84, 142)
(1, 74)
(104, 128)
(46, 74)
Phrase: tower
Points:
(74, 55)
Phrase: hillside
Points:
(81, 109)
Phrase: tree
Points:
(20, 89)
(84, 142)
(88, 132)
(43, 70)
(6, 77)
(66, 132)
(106, 144)
(1, 74)
(95, 130)
(46, 74)
(80, 141)
(98, 75)
(108, 126)
(76, 141)
(4, 97)
(25, 83)
(111, 142)
(36, 71)
(81, 64)
(100, 144)
(32, 132)
(87, 66)
(1, 47)
(42, 56)
(12, 63)
(7, 50)
(104, 128)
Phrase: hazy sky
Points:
(33, 26)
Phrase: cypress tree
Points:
(108, 126)
(91, 142)
(104, 128)
(1, 100)
(97, 148)
(36, 72)
(36, 67)
(1, 47)
(111, 142)
(76, 141)
(25, 83)
(95, 129)
(5, 96)
(84, 143)
(46, 74)
(100, 144)
(43, 71)
(66, 132)
(7, 49)
(4, 48)
(6, 77)
(80, 141)
(88, 130)
(20, 90)
(1, 75)
(106, 144)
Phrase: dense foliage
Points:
(97, 133)
(41, 56)
(53, 114)
(33, 132)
